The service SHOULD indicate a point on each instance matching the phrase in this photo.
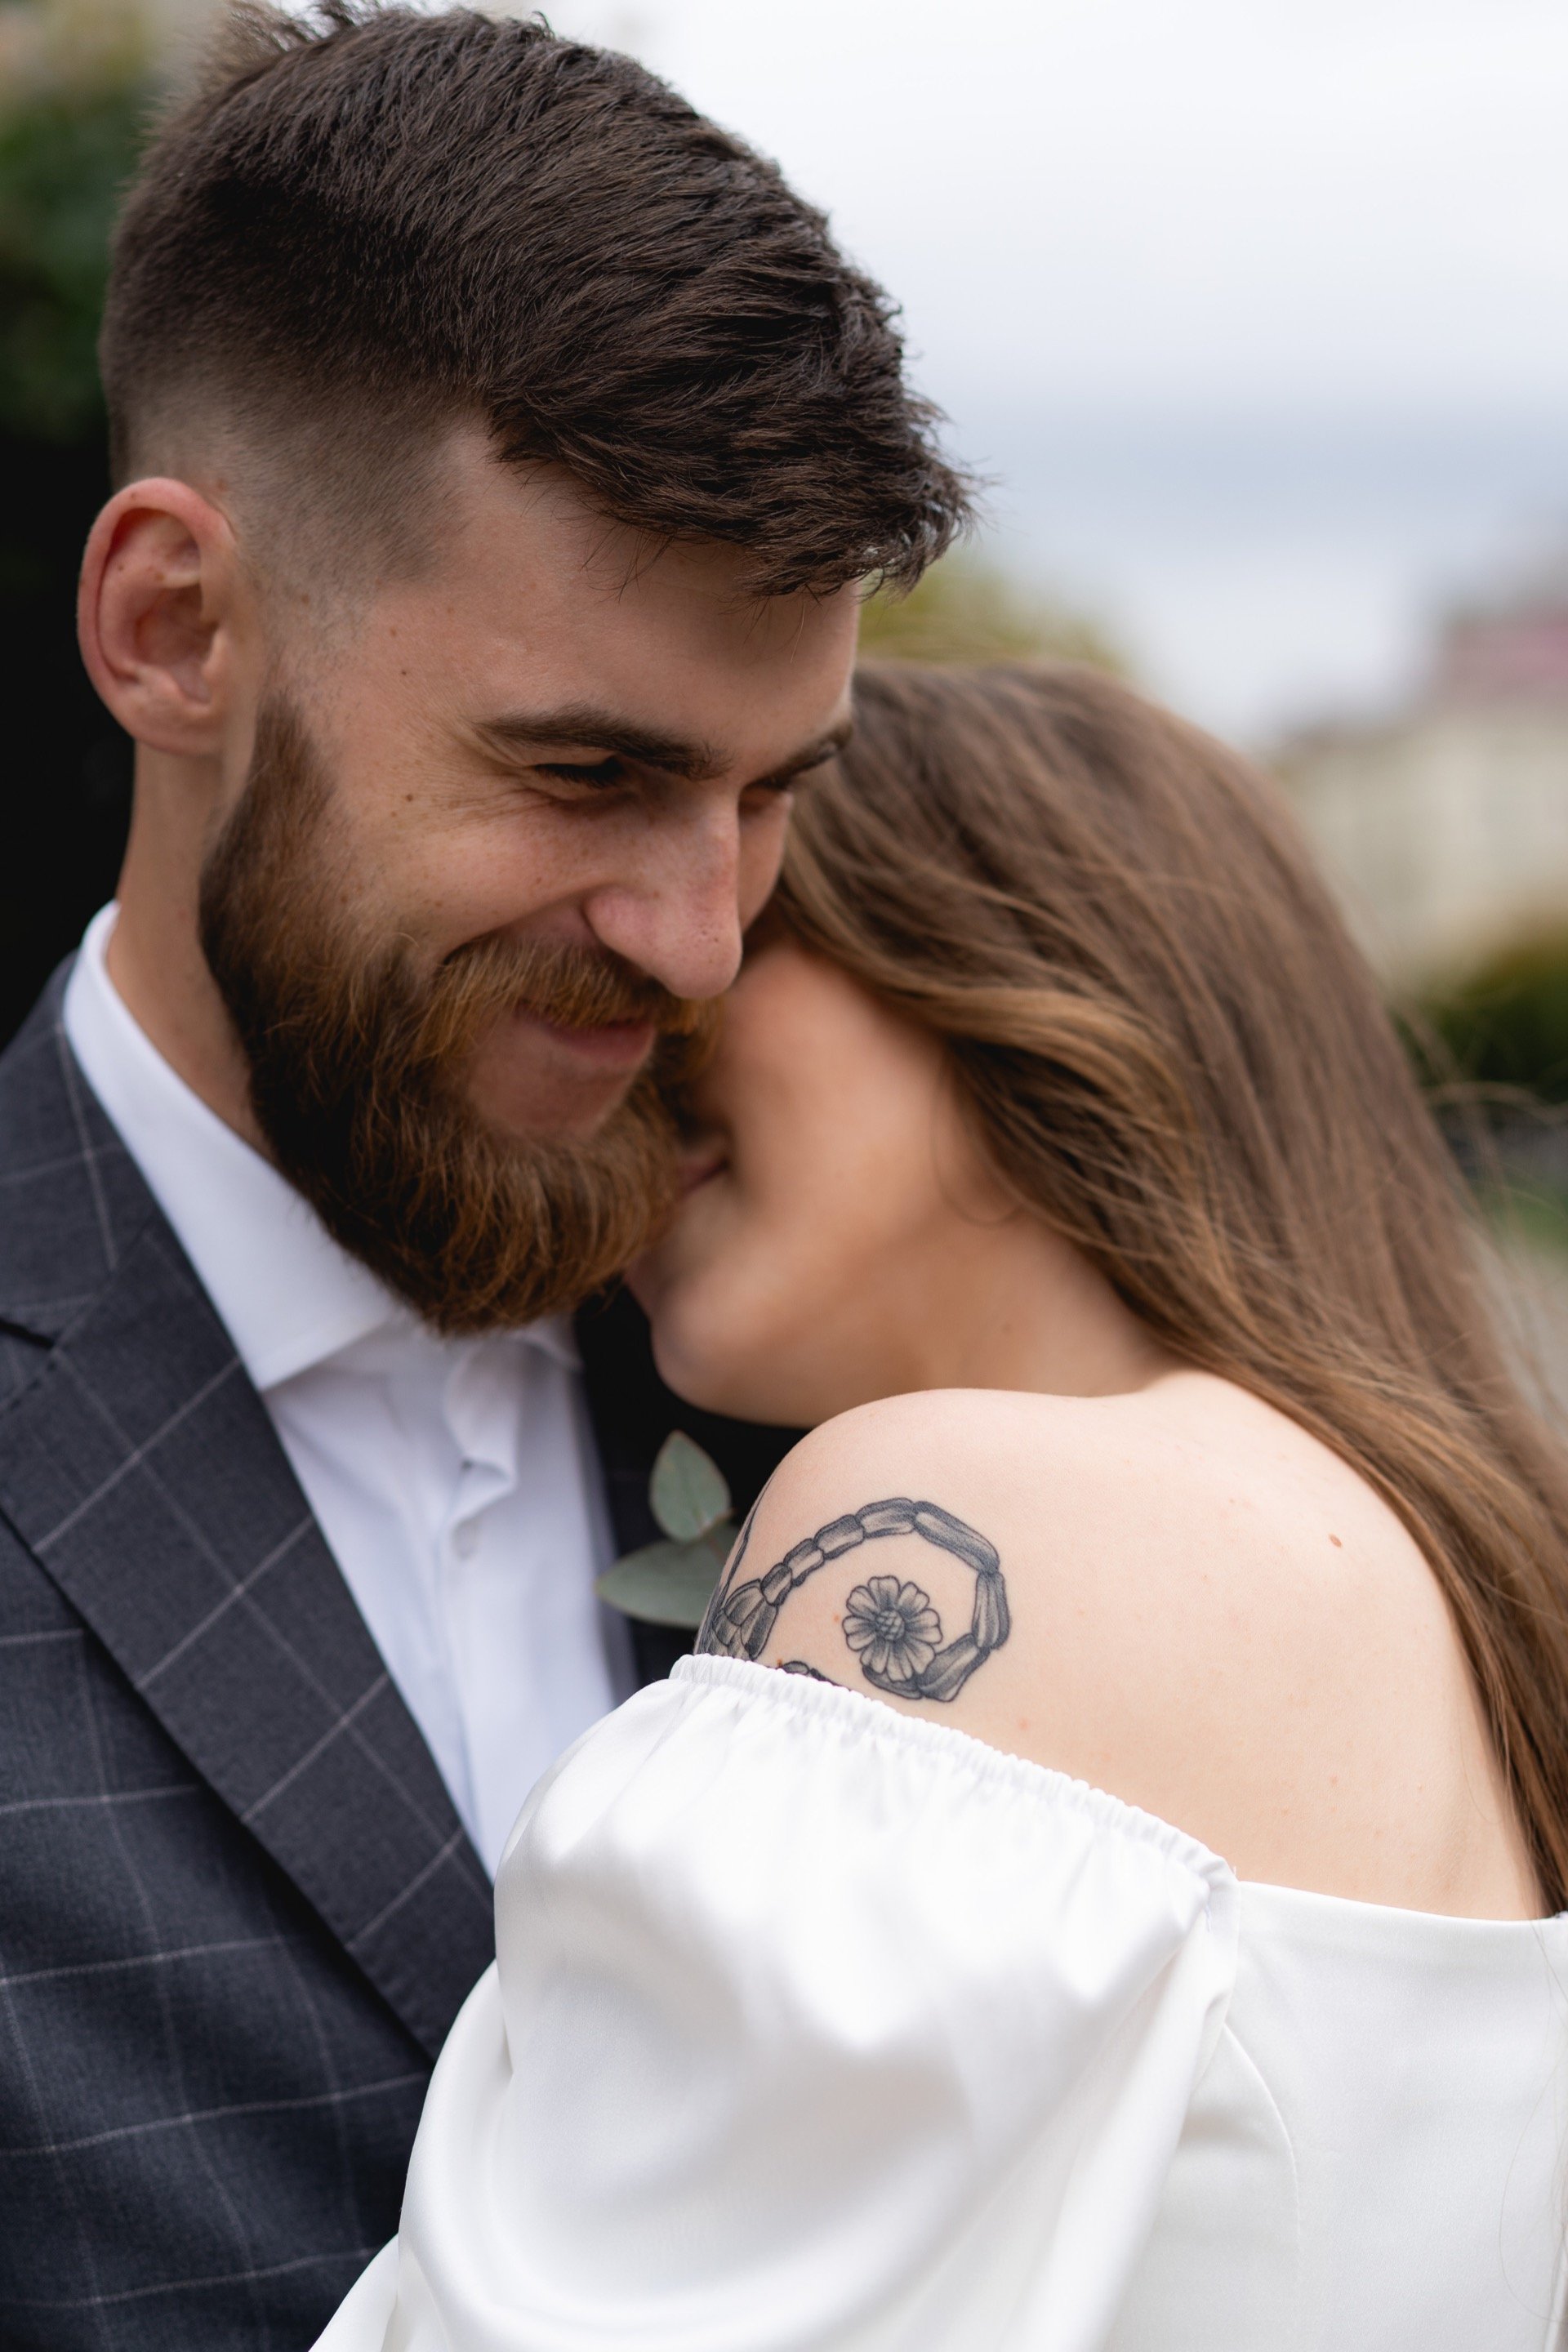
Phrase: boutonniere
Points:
(671, 1583)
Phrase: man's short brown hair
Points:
(361, 230)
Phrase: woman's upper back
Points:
(1208, 1615)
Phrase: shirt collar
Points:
(289, 1296)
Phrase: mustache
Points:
(570, 986)
(439, 1023)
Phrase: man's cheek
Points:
(763, 846)
(464, 880)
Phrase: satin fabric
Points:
(818, 2027)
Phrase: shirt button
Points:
(466, 1542)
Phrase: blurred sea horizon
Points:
(1263, 570)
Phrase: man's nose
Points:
(679, 918)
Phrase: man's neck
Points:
(155, 962)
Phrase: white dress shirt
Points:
(455, 1480)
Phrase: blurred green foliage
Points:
(73, 98)
(77, 79)
(968, 609)
(1506, 1024)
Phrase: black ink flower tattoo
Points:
(893, 1629)
(891, 1626)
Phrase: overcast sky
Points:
(1134, 226)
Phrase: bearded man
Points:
(500, 450)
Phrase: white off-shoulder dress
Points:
(819, 2028)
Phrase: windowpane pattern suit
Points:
(238, 1910)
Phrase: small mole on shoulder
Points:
(1337, 1545)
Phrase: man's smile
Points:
(619, 1046)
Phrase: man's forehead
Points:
(546, 622)
(532, 520)
(526, 505)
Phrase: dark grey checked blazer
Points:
(238, 1911)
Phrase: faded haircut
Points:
(358, 230)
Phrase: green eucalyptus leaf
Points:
(687, 1491)
(668, 1584)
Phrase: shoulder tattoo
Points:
(890, 1628)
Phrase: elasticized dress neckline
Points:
(1305, 1910)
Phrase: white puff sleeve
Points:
(813, 2026)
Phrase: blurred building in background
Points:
(1447, 824)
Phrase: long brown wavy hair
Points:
(1174, 1054)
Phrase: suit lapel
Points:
(139, 1464)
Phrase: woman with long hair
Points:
(1102, 1882)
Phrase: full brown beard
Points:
(358, 1060)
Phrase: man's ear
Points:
(156, 614)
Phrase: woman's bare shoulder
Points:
(1191, 1493)
(1177, 1595)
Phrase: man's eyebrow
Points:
(815, 755)
(582, 727)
